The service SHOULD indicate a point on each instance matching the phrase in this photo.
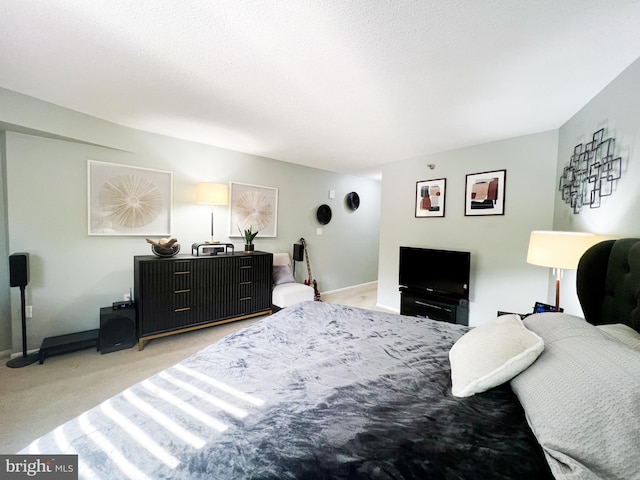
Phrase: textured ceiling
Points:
(334, 84)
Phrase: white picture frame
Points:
(253, 206)
(128, 201)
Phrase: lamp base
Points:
(23, 361)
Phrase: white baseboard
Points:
(328, 292)
(5, 353)
(391, 309)
(19, 354)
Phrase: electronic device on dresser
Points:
(435, 284)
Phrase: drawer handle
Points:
(424, 304)
(248, 266)
(431, 305)
(181, 273)
(182, 309)
(245, 299)
(182, 291)
(246, 283)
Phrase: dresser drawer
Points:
(184, 272)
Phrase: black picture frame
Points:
(430, 198)
(484, 193)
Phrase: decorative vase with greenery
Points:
(248, 236)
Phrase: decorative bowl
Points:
(165, 252)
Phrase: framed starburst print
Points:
(124, 200)
(255, 207)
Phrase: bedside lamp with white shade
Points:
(559, 251)
(212, 194)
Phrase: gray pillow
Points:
(582, 399)
(282, 274)
(622, 333)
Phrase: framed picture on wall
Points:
(484, 193)
(430, 197)
(125, 200)
(255, 207)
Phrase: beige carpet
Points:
(36, 399)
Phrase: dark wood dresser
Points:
(186, 292)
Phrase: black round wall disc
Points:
(324, 214)
(353, 201)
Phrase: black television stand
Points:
(434, 306)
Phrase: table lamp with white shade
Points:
(212, 194)
(559, 251)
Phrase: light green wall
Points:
(500, 277)
(73, 274)
(616, 108)
(5, 306)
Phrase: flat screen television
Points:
(444, 272)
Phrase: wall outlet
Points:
(28, 311)
(127, 297)
(319, 231)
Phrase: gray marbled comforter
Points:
(314, 391)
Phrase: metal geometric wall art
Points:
(592, 173)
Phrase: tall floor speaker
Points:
(19, 277)
(117, 329)
(298, 252)
(19, 269)
(298, 255)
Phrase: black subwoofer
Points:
(117, 329)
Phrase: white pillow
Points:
(492, 354)
(622, 333)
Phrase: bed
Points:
(328, 391)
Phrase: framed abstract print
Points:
(430, 196)
(484, 193)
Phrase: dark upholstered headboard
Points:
(608, 282)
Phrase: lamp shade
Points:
(559, 249)
(212, 193)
